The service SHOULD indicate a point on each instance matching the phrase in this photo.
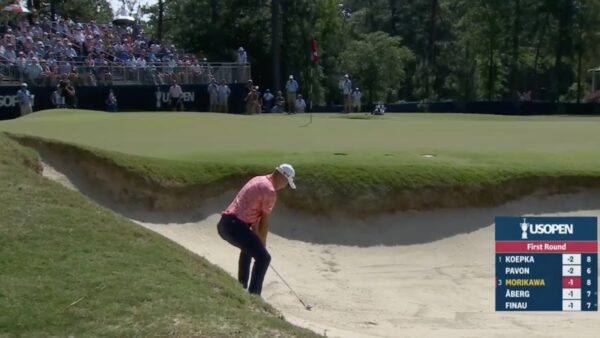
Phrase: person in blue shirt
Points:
(25, 100)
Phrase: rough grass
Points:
(71, 268)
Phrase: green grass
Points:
(71, 268)
(335, 154)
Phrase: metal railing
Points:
(157, 73)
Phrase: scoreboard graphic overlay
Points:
(546, 264)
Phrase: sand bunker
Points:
(420, 274)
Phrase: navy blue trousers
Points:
(240, 235)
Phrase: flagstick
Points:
(311, 93)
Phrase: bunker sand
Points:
(411, 274)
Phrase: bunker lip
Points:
(131, 188)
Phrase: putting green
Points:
(193, 136)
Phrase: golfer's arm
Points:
(263, 228)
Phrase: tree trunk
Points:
(53, 11)
(563, 32)
(31, 8)
(395, 20)
(276, 43)
(214, 12)
(471, 69)
(541, 29)
(430, 69)
(491, 78)
(579, 48)
(161, 14)
(370, 17)
(514, 77)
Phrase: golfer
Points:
(245, 223)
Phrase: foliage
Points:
(463, 49)
(83, 10)
(377, 61)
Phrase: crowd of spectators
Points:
(94, 54)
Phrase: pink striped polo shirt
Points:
(257, 197)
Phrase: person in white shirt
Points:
(224, 93)
(34, 71)
(21, 61)
(346, 87)
(291, 88)
(242, 57)
(213, 95)
(300, 104)
(176, 96)
(356, 100)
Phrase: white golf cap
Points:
(288, 171)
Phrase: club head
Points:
(308, 307)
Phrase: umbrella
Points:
(16, 8)
(123, 20)
(122, 17)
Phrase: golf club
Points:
(306, 306)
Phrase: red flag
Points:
(314, 54)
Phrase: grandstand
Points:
(100, 54)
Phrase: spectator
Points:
(346, 87)
(279, 103)
(252, 101)
(300, 105)
(224, 93)
(47, 74)
(213, 92)
(10, 54)
(34, 71)
(111, 101)
(25, 100)
(57, 98)
(21, 62)
(69, 94)
(379, 109)
(64, 67)
(176, 96)
(268, 100)
(90, 79)
(356, 100)
(107, 78)
(242, 60)
(242, 57)
(74, 77)
(70, 51)
(291, 88)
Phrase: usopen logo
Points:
(544, 228)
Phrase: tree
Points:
(462, 49)
(276, 43)
(377, 61)
(82, 10)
